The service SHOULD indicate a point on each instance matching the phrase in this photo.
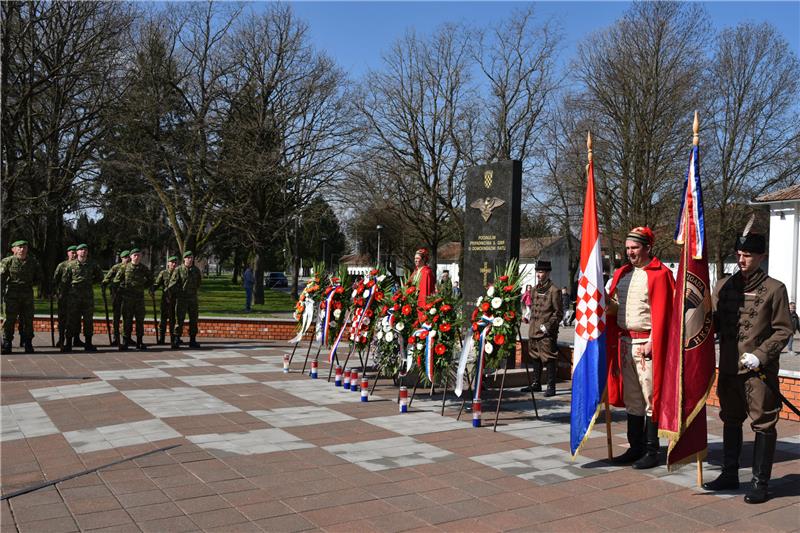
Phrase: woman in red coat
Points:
(422, 278)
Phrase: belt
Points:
(634, 334)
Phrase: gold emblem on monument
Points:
(487, 178)
(487, 205)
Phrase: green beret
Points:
(124, 253)
(82, 247)
(19, 243)
(188, 253)
(135, 251)
(172, 258)
(71, 248)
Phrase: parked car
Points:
(276, 280)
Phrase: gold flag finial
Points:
(696, 129)
(589, 144)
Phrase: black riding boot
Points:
(6, 349)
(763, 454)
(731, 449)
(66, 346)
(551, 378)
(28, 345)
(88, 346)
(124, 343)
(115, 342)
(536, 378)
(77, 342)
(193, 342)
(162, 337)
(140, 345)
(175, 343)
(650, 458)
(635, 439)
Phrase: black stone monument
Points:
(491, 225)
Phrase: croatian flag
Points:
(589, 357)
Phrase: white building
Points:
(784, 237)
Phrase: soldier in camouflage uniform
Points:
(183, 286)
(78, 279)
(18, 274)
(133, 279)
(116, 300)
(167, 305)
(61, 294)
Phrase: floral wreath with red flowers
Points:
(334, 306)
(496, 317)
(312, 294)
(368, 298)
(434, 343)
(402, 309)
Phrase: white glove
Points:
(543, 329)
(749, 361)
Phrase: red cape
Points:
(425, 284)
(660, 287)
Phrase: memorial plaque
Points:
(491, 224)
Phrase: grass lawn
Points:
(218, 297)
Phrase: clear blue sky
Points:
(356, 33)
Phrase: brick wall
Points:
(270, 329)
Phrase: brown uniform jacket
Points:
(547, 310)
(751, 318)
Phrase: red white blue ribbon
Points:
(485, 325)
(332, 356)
(326, 324)
(428, 350)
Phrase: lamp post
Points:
(324, 263)
(379, 228)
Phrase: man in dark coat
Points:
(753, 324)
(543, 330)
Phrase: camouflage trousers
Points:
(183, 306)
(133, 308)
(19, 308)
(167, 316)
(80, 307)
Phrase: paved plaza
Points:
(228, 442)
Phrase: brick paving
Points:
(260, 450)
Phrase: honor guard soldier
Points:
(18, 274)
(753, 324)
(183, 287)
(79, 277)
(640, 301)
(167, 305)
(116, 300)
(543, 333)
(133, 279)
(61, 294)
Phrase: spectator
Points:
(445, 287)
(248, 282)
(456, 290)
(527, 303)
(795, 327)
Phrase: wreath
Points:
(434, 343)
(495, 319)
(368, 296)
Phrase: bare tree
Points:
(756, 126)
(517, 58)
(641, 81)
(61, 69)
(415, 110)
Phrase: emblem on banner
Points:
(697, 318)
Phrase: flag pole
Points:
(609, 441)
(696, 142)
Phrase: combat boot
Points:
(763, 454)
(77, 342)
(139, 344)
(650, 457)
(66, 346)
(60, 341)
(124, 343)
(731, 449)
(551, 379)
(162, 337)
(536, 385)
(635, 439)
(88, 346)
(115, 342)
(193, 342)
(28, 346)
(176, 343)
(6, 349)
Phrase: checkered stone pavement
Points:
(288, 417)
(250, 442)
(177, 363)
(417, 423)
(182, 401)
(376, 455)
(119, 435)
(318, 391)
(130, 373)
(25, 421)
(63, 392)
(542, 464)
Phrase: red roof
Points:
(789, 193)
